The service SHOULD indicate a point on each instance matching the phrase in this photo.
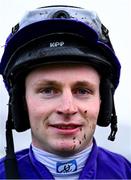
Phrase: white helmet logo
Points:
(57, 44)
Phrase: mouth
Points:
(66, 128)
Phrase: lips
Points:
(66, 126)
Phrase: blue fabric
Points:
(101, 164)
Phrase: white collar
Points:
(61, 167)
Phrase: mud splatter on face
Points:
(85, 114)
(74, 147)
(74, 138)
(74, 141)
(84, 136)
(80, 128)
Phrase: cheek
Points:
(95, 108)
(35, 108)
(39, 109)
(90, 115)
(91, 111)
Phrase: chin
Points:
(67, 150)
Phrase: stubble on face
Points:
(42, 112)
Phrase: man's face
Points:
(63, 104)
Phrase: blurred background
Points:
(115, 15)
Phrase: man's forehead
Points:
(63, 84)
(63, 75)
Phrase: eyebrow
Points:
(84, 83)
(47, 82)
(57, 83)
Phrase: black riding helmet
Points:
(59, 34)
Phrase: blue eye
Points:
(82, 91)
(49, 91)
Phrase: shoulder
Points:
(109, 155)
(106, 156)
(21, 156)
(108, 165)
(113, 161)
(2, 168)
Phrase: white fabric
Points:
(63, 167)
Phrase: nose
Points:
(67, 104)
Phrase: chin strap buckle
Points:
(114, 128)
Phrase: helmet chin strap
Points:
(10, 161)
(113, 125)
(108, 114)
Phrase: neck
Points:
(60, 166)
